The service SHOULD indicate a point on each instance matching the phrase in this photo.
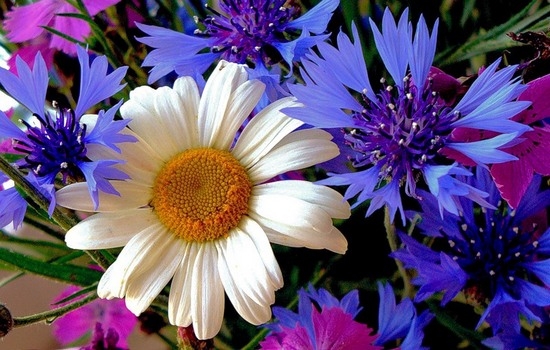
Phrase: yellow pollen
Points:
(201, 194)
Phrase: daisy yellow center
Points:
(201, 194)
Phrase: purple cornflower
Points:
(492, 255)
(324, 322)
(398, 130)
(257, 32)
(62, 143)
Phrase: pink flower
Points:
(513, 178)
(532, 148)
(111, 314)
(24, 23)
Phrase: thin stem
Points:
(65, 220)
(392, 241)
(51, 315)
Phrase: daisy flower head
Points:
(198, 209)
(260, 33)
(400, 128)
(496, 256)
(64, 143)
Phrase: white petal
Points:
(258, 236)
(188, 92)
(246, 306)
(207, 299)
(223, 81)
(180, 128)
(301, 220)
(141, 251)
(141, 163)
(153, 276)
(149, 122)
(325, 197)
(181, 289)
(292, 156)
(246, 267)
(264, 132)
(109, 230)
(242, 102)
(333, 240)
(132, 196)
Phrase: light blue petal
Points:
(95, 84)
(107, 131)
(393, 44)
(347, 62)
(484, 86)
(495, 112)
(331, 117)
(486, 151)
(316, 19)
(292, 51)
(29, 88)
(394, 320)
(10, 130)
(422, 51)
(326, 90)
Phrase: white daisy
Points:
(198, 209)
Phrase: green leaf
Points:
(496, 38)
(67, 273)
(64, 36)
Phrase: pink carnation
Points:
(24, 23)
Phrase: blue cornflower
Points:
(400, 131)
(490, 254)
(59, 142)
(255, 32)
(12, 205)
(324, 322)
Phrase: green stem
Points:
(51, 315)
(392, 241)
(64, 220)
(474, 338)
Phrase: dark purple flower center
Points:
(402, 131)
(249, 29)
(492, 253)
(55, 146)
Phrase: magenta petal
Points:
(73, 27)
(96, 6)
(29, 50)
(336, 329)
(537, 92)
(539, 157)
(512, 179)
(74, 325)
(25, 22)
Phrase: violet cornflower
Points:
(399, 129)
(62, 143)
(259, 33)
(324, 322)
(492, 255)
